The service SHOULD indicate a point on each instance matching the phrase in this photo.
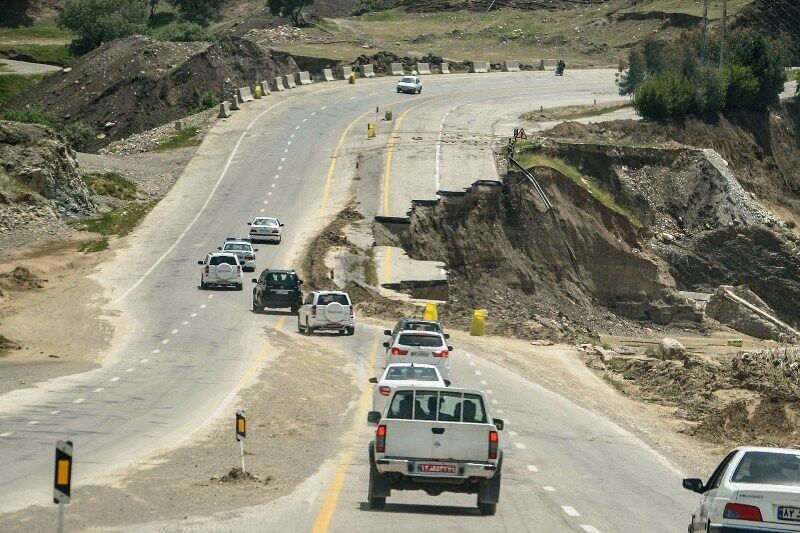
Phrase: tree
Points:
(199, 11)
(766, 59)
(743, 86)
(634, 75)
(289, 8)
(95, 22)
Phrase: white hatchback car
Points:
(265, 229)
(409, 84)
(243, 249)
(403, 374)
(753, 489)
(426, 347)
(221, 269)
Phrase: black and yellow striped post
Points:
(62, 478)
(241, 433)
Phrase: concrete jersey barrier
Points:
(234, 103)
(423, 68)
(304, 78)
(223, 110)
(480, 66)
(327, 74)
(245, 94)
(397, 69)
(367, 71)
(346, 71)
(279, 84)
(511, 66)
(264, 87)
(288, 80)
(445, 68)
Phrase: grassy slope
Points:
(13, 84)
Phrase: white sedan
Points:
(753, 489)
(403, 374)
(243, 249)
(265, 229)
(410, 84)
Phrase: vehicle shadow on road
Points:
(448, 510)
(273, 312)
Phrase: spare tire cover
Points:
(334, 312)
(224, 271)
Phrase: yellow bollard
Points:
(478, 328)
(371, 131)
(431, 312)
(257, 94)
(352, 79)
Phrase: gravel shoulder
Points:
(294, 411)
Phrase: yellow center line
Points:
(323, 521)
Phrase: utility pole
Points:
(703, 32)
(722, 33)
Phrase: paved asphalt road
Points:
(181, 353)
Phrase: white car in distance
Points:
(265, 229)
(221, 269)
(243, 249)
(420, 347)
(403, 374)
(753, 489)
(410, 84)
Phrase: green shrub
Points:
(182, 31)
(664, 96)
(182, 139)
(766, 58)
(199, 11)
(207, 100)
(31, 116)
(52, 54)
(743, 87)
(95, 22)
(110, 184)
(79, 136)
(362, 7)
(710, 91)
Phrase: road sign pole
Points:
(62, 478)
(61, 517)
(240, 428)
(241, 449)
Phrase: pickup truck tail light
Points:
(384, 390)
(442, 353)
(494, 444)
(380, 438)
(314, 311)
(399, 351)
(738, 511)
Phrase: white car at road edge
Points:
(326, 310)
(753, 490)
(403, 374)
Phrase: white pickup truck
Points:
(437, 440)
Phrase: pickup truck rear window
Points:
(218, 259)
(437, 405)
(415, 339)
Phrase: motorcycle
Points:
(560, 66)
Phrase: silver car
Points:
(409, 84)
(427, 347)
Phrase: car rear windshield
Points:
(325, 299)
(282, 279)
(407, 80)
(422, 326)
(265, 222)
(415, 339)
(402, 373)
(437, 405)
(217, 259)
(237, 247)
(769, 469)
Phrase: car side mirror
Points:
(373, 380)
(249, 223)
(498, 424)
(694, 485)
(449, 348)
(255, 280)
(373, 417)
(219, 247)
(385, 344)
(200, 262)
(446, 335)
(447, 383)
(387, 332)
(255, 249)
(282, 225)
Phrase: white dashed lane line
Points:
(471, 363)
(321, 108)
(291, 137)
(276, 176)
(589, 528)
(306, 118)
(129, 370)
(495, 401)
(33, 422)
(280, 167)
(210, 296)
(115, 378)
(5, 434)
(273, 184)
(533, 468)
(202, 306)
(519, 445)
(488, 391)
(500, 412)
(143, 360)
(265, 201)
(548, 488)
(195, 314)
(478, 373)
(156, 351)
(54, 412)
(165, 341)
(262, 210)
(283, 159)
(79, 400)
(174, 331)
(484, 382)
(99, 389)
(512, 433)
(289, 142)
(184, 322)
(297, 128)
(285, 150)
(570, 510)
(270, 193)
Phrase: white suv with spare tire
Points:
(326, 311)
(221, 269)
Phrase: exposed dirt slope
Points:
(134, 84)
(483, 5)
(505, 254)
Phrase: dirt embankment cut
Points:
(424, 6)
(706, 226)
(134, 84)
(566, 278)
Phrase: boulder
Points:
(672, 349)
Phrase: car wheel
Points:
(377, 503)
(294, 311)
(203, 285)
(420, 91)
(309, 329)
(351, 330)
(299, 326)
(279, 240)
(487, 509)
(399, 91)
(239, 286)
(256, 308)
